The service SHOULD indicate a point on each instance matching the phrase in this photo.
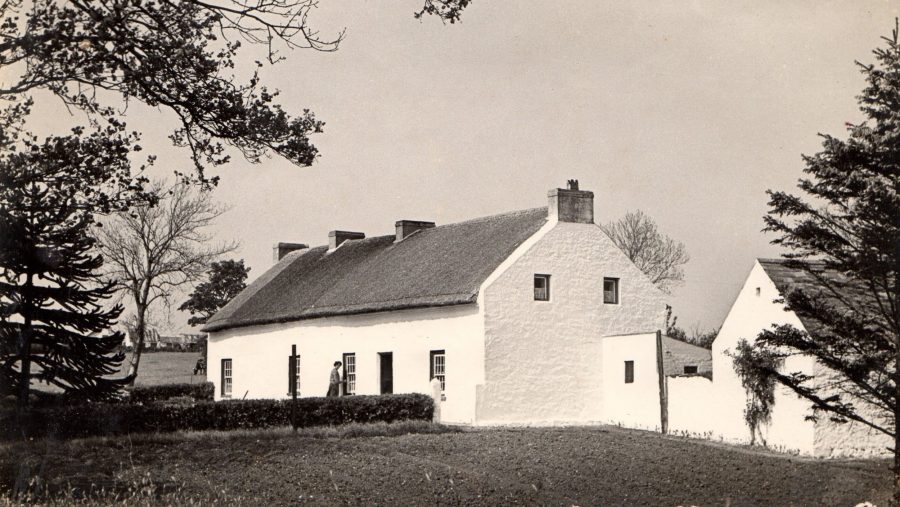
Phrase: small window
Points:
(690, 369)
(349, 373)
(226, 378)
(439, 367)
(294, 374)
(611, 291)
(542, 287)
(629, 372)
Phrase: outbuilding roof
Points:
(440, 266)
(813, 280)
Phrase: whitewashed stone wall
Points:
(635, 404)
(260, 354)
(543, 359)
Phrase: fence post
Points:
(663, 394)
(436, 396)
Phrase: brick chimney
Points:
(282, 249)
(406, 227)
(571, 205)
(335, 238)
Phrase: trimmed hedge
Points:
(98, 419)
(202, 391)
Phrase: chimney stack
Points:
(335, 238)
(282, 249)
(406, 227)
(571, 205)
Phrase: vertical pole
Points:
(663, 394)
(293, 370)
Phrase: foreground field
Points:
(570, 466)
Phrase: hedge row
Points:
(99, 419)
(148, 394)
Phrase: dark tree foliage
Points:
(52, 319)
(447, 10)
(226, 280)
(844, 236)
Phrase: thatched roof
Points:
(441, 266)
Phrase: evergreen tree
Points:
(845, 239)
(226, 280)
(53, 324)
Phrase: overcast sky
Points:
(687, 110)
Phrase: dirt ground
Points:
(562, 466)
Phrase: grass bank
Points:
(424, 464)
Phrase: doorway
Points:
(386, 359)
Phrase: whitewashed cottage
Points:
(509, 311)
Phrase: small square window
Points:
(690, 369)
(542, 287)
(629, 372)
(611, 291)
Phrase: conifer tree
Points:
(844, 237)
(54, 327)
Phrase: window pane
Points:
(541, 287)
(226, 377)
(350, 373)
(611, 290)
(629, 372)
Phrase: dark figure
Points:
(334, 382)
(200, 367)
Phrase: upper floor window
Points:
(542, 287)
(226, 378)
(350, 373)
(629, 372)
(611, 291)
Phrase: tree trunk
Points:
(141, 332)
(25, 345)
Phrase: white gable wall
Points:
(752, 312)
(260, 354)
(543, 359)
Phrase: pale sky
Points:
(687, 110)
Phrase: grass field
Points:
(561, 466)
(166, 368)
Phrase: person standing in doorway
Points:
(334, 382)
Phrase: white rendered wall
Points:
(753, 311)
(851, 439)
(543, 359)
(635, 404)
(260, 354)
(691, 403)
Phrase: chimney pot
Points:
(282, 249)
(335, 238)
(406, 227)
(571, 204)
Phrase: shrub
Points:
(149, 394)
(97, 419)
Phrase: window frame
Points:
(432, 369)
(227, 387)
(629, 372)
(615, 292)
(296, 368)
(546, 279)
(349, 383)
